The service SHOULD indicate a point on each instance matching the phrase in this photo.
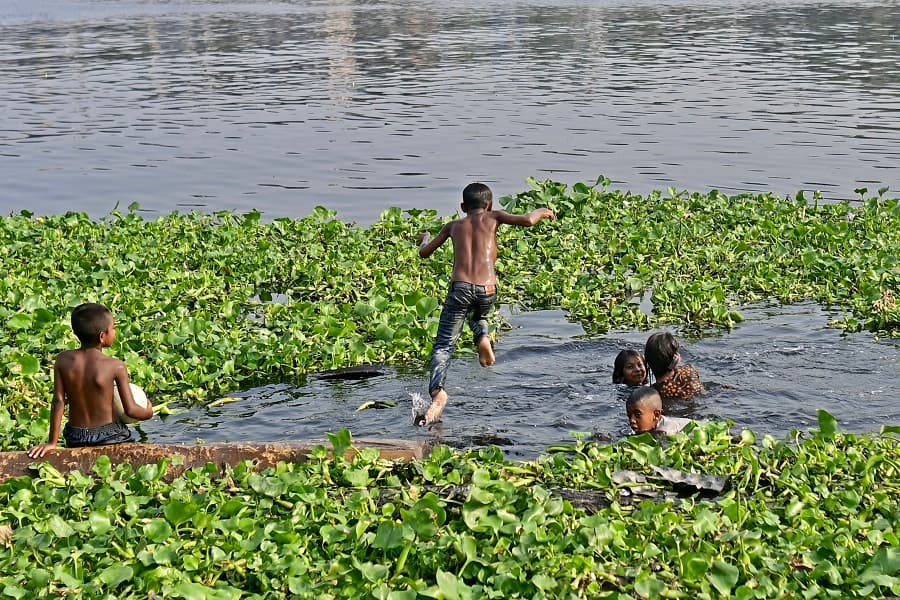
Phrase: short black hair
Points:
(476, 195)
(660, 351)
(89, 320)
(644, 393)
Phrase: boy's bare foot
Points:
(434, 412)
(419, 405)
(486, 351)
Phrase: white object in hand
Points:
(140, 398)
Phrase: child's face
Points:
(642, 418)
(634, 371)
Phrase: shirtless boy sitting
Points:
(84, 380)
(473, 287)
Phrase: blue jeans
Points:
(463, 300)
(112, 433)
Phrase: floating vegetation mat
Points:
(702, 515)
(209, 303)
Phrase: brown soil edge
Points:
(263, 455)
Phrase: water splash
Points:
(420, 405)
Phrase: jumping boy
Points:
(84, 379)
(473, 284)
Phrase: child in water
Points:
(473, 284)
(644, 410)
(673, 380)
(630, 369)
(629, 372)
(84, 379)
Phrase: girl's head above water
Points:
(629, 368)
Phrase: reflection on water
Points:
(770, 374)
(361, 105)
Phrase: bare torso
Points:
(87, 378)
(475, 241)
(475, 248)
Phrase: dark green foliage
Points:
(814, 515)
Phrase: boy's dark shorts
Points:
(102, 435)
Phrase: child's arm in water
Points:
(427, 244)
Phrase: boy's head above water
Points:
(93, 324)
(475, 196)
(644, 409)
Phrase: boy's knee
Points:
(440, 354)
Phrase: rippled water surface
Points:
(770, 374)
(361, 105)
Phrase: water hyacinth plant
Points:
(208, 303)
(211, 303)
(815, 515)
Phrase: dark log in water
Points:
(263, 454)
(354, 373)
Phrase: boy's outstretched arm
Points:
(525, 220)
(57, 407)
(427, 244)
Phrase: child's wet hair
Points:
(89, 320)
(476, 195)
(618, 374)
(643, 394)
(660, 351)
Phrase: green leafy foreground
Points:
(814, 516)
(206, 304)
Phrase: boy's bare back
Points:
(86, 377)
(475, 248)
(475, 242)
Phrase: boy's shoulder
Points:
(66, 356)
(492, 216)
(111, 361)
(672, 425)
(70, 357)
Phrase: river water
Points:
(359, 105)
(551, 383)
(363, 105)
